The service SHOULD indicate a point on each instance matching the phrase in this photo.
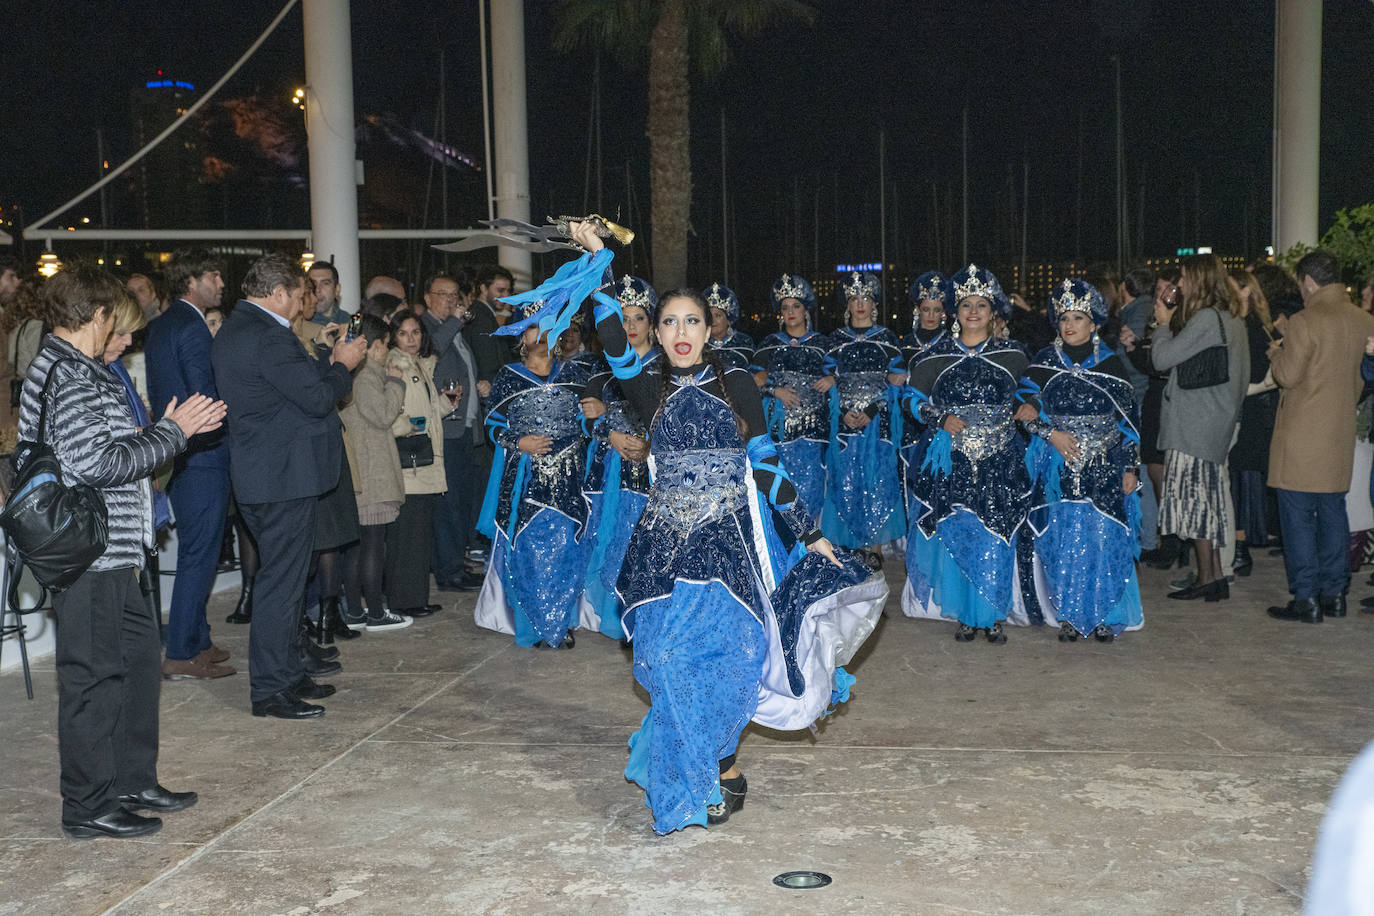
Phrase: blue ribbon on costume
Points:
(760, 448)
(486, 519)
(562, 295)
(939, 459)
(1128, 431)
(840, 692)
(1133, 520)
(774, 417)
(610, 507)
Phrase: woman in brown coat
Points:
(378, 399)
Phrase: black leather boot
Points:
(1302, 610)
(307, 646)
(1243, 564)
(1332, 607)
(244, 612)
(331, 623)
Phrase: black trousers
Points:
(408, 552)
(283, 533)
(109, 676)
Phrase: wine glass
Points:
(451, 388)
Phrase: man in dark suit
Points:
(177, 355)
(489, 355)
(284, 451)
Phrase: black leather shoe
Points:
(1332, 607)
(1244, 564)
(1304, 610)
(286, 705)
(321, 653)
(315, 667)
(307, 689)
(467, 582)
(417, 612)
(119, 824)
(159, 799)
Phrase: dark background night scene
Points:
(803, 109)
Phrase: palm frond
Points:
(620, 27)
(714, 21)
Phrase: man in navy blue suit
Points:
(177, 355)
(285, 446)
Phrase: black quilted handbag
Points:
(1208, 368)
(57, 530)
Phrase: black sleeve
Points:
(641, 389)
(745, 396)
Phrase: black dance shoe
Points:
(119, 824)
(995, 634)
(1210, 591)
(158, 799)
(1332, 607)
(1300, 610)
(1103, 633)
(732, 792)
(1067, 633)
(965, 633)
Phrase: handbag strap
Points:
(1221, 325)
(43, 397)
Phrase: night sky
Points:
(803, 109)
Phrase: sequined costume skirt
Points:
(1085, 567)
(997, 492)
(960, 571)
(1196, 498)
(709, 666)
(534, 581)
(804, 461)
(863, 501)
(614, 513)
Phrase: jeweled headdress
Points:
(631, 290)
(790, 286)
(977, 281)
(1075, 295)
(930, 285)
(720, 296)
(862, 286)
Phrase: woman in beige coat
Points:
(378, 398)
(419, 438)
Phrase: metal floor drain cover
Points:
(801, 880)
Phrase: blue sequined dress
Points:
(970, 491)
(617, 489)
(534, 510)
(1086, 529)
(802, 435)
(729, 621)
(736, 350)
(863, 496)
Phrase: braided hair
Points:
(709, 357)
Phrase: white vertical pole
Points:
(329, 125)
(1297, 120)
(511, 126)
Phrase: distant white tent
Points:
(6, 238)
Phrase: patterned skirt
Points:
(1196, 494)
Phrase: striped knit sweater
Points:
(92, 433)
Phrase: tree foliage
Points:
(1350, 239)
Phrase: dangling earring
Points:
(1094, 340)
(1058, 342)
(954, 327)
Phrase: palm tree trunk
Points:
(670, 161)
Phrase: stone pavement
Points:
(1183, 769)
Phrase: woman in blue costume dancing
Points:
(618, 470)
(534, 510)
(930, 304)
(791, 371)
(735, 347)
(863, 498)
(1085, 512)
(969, 486)
(723, 631)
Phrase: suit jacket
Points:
(491, 353)
(284, 434)
(177, 360)
(1318, 371)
